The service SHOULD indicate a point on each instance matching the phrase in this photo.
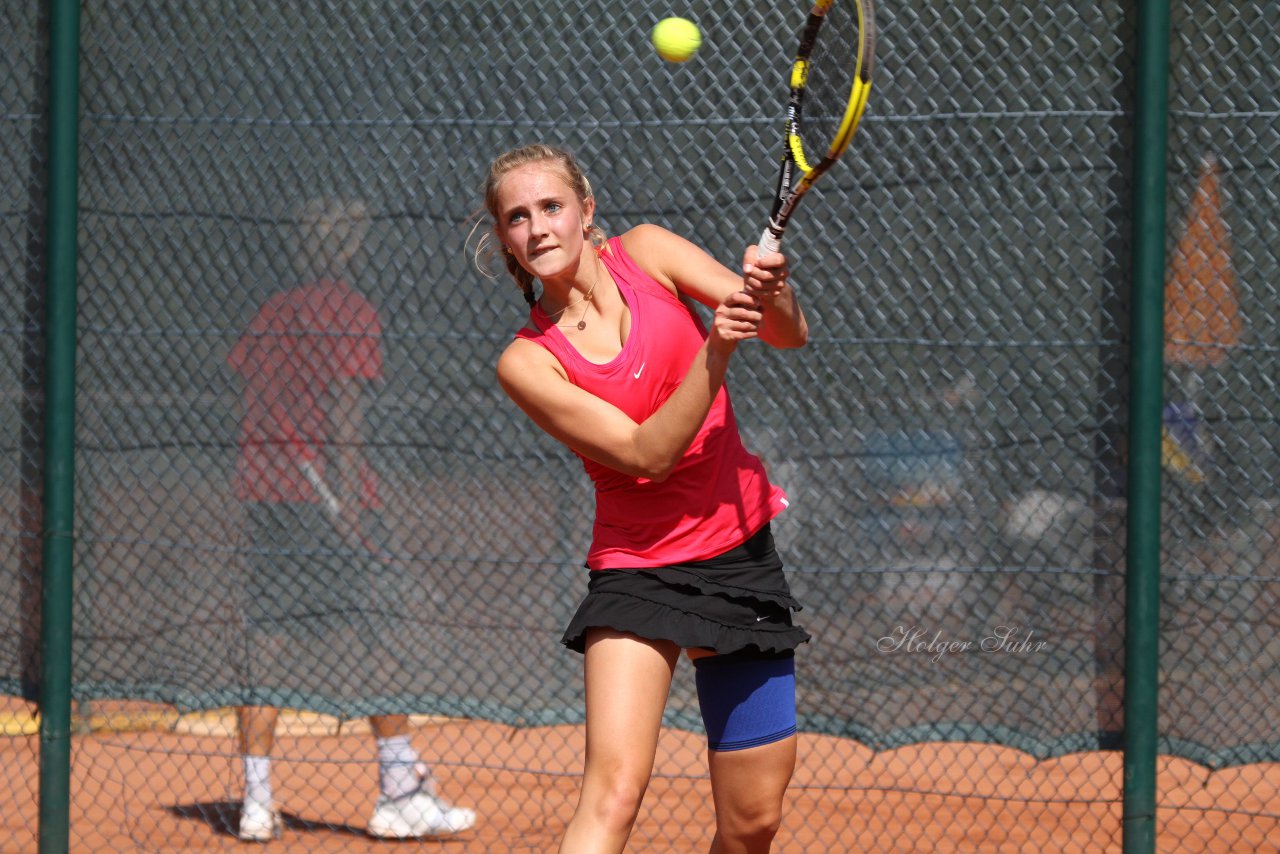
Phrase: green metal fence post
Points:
(59, 432)
(1142, 587)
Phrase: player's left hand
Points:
(764, 276)
(737, 319)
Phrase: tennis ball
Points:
(676, 39)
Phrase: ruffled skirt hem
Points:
(691, 610)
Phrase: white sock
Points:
(397, 766)
(257, 780)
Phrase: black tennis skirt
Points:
(738, 602)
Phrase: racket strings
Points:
(833, 69)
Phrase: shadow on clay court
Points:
(224, 818)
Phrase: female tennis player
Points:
(616, 364)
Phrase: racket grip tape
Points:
(769, 242)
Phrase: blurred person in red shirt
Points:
(312, 503)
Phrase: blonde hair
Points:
(329, 231)
(524, 156)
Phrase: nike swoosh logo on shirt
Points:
(639, 372)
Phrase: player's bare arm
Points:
(687, 269)
(599, 431)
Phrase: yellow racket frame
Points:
(795, 157)
(858, 93)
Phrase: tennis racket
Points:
(333, 513)
(830, 81)
(392, 557)
(332, 506)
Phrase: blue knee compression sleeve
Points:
(746, 702)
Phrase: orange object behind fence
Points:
(1202, 313)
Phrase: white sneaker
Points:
(419, 814)
(259, 823)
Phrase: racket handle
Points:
(769, 242)
(331, 503)
(333, 508)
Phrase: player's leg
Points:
(748, 787)
(627, 682)
(257, 729)
(408, 805)
(748, 706)
(269, 588)
(259, 820)
(397, 760)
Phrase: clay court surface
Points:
(146, 780)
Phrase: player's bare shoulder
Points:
(659, 252)
(680, 265)
(524, 363)
(647, 240)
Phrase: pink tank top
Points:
(718, 495)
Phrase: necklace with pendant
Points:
(586, 298)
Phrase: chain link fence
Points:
(953, 439)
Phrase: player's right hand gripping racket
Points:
(830, 81)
